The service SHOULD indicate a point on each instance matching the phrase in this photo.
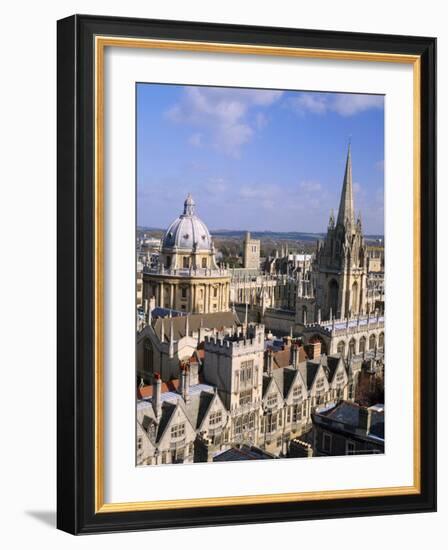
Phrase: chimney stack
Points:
(314, 349)
(185, 382)
(157, 395)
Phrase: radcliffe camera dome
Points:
(188, 232)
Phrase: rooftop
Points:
(242, 452)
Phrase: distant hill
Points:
(271, 235)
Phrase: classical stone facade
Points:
(186, 276)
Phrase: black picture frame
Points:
(76, 264)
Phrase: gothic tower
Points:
(341, 259)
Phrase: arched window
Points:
(304, 314)
(204, 262)
(362, 344)
(381, 340)
(252, 421)
(341, 348)
(239, 425)
(333, 292)
(372, 342)
(352, 346)
(245, 422)
(355, 300)
(186, 262)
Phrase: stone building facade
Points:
(247, 392)
(166, 341)
(186, 276)
(341, 259)
(251, 252)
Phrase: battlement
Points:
(351, 325)
(242, 341)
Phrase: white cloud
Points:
(352, 104)
(342, 104)
(223, 114)
(314, 103)
(310, 186)
(261, 192)
(216, 186)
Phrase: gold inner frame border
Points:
(100, 43)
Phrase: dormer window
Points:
(297, 392)
(271, 400)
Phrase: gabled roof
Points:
(146, 416)
(167, 412)
(292, 376)
(275, 380)
(197, 407)
(309, 370)
(218, 320)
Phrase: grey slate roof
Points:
(347, 413)
(216, 320)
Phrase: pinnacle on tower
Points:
(346, 210)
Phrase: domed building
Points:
(187, 277)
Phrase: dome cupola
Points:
(188, 232)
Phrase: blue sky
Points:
(257, 159)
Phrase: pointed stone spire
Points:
(346, 209)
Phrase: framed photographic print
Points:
(247, 273)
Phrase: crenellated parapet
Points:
(245, 340)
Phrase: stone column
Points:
(161, 294)
(172, 286)
(193, 292)
(206, 292)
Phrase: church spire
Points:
(346, 209)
